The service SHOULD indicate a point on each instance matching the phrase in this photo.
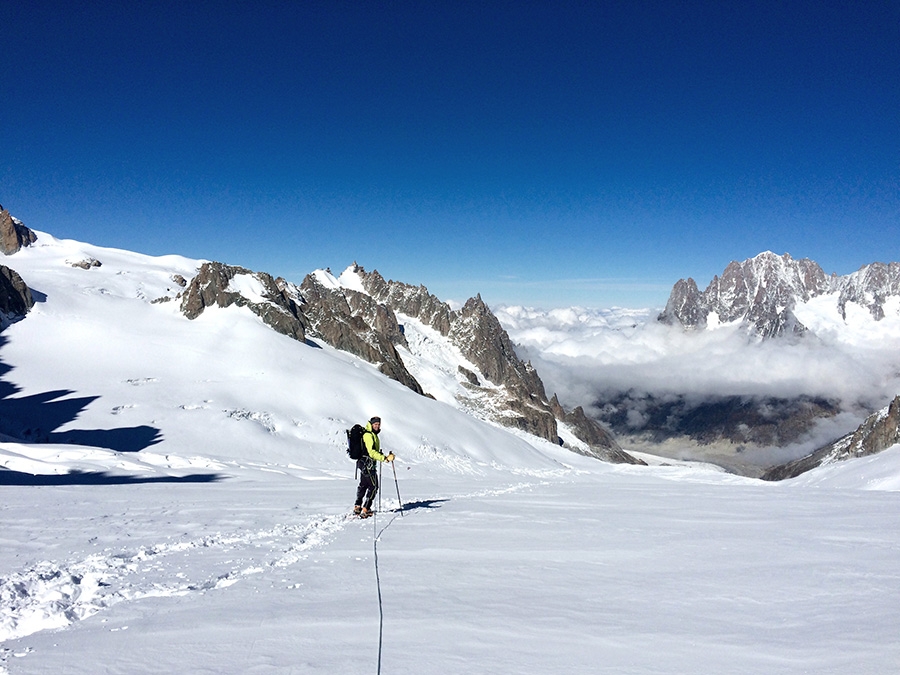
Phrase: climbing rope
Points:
(376, 535)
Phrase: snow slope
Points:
(188, 514)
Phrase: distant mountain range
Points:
(411, 335)
(763, 292)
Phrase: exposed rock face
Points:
(879, 432)
(355, 322)
(363, 320)
(212, 287)
(15, 297)
(477, 333)
(763, 291)
(413, 301)
(686, 305)
(13, 234)
(481, 339)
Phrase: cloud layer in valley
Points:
(581, 353)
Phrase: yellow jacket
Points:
(372, 444)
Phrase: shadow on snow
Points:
(35, 419)
(9, 477)
(424, 504)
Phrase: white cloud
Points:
(581, 352)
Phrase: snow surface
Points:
(188, 514)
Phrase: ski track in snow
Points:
(49, 595)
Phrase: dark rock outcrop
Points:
(686, 305)
(212, 287)
(483, 341)
(15, 297)
(478, 335)
(86, 264)
(13, 234)
(879, 432)
(413, 301)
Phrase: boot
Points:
(357, 509)
(366, 512)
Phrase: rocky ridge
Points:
(354, 322)
(763, 291)
(880, 431)
(220, 285)
(512, 387)
(366, 317)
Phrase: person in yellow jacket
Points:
(368, 474)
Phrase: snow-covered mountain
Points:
(711, 380)
(175, 499)
(464, 355)
(763, 292)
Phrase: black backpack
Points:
(354, 442)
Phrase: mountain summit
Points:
(763, 292)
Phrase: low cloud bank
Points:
(583, 353)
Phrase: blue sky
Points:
(538, 153)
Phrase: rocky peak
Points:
(761, 292)
(478, 335)
(474, 330)
(685, 305)
(481, 338)
(514, 387)
(414, 301)
(13, 233)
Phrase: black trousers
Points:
(368, 488)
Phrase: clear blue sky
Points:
(542, 153)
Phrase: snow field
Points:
(618, 571)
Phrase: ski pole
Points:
(397, 485)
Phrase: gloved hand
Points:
(389, 457)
